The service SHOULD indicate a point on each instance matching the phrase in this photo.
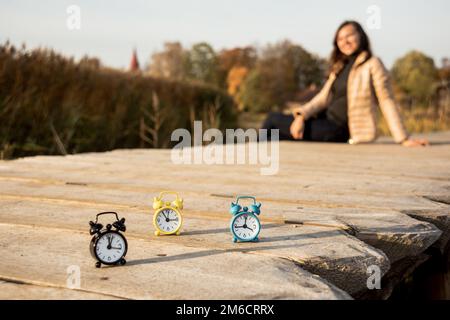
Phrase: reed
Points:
(50, 104)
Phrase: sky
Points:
(111, 29)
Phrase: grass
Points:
(50, 104)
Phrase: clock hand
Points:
(248, 228)
(109, 243)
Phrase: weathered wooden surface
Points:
(11, 289)
(330, 213)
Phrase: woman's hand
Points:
(415, 142)
(297, 127)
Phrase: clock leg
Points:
(157, 233)
(122, 261)
(256, 239)
(178, 233)
(234, 240)
(98, 264)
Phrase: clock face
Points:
(246, 226)
(110, 247)
(168, 220)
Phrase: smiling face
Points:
(348, 40)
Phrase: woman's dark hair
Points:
(337, 56)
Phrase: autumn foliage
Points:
(259, 80)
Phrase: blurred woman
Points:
(345, 109)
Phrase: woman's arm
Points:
(383, 90)
(317, 104)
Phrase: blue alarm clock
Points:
(245, 225)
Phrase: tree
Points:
(235, 58)
(170, 63)
(253, 96)
(202, 63)
(236, 77)
(283, 70)
(88, 62)
(415, 74)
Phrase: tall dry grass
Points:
(50, 104)
(420, 120)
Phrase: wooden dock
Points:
(330, 213)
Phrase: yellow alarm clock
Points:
(167, 218)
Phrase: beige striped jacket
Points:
(369, 85)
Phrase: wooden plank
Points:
(117, 162)
(13, 289)
(440, 218)
(394, 233)
(388, 196)
(326, 251)
(411, 240)
(156, 270)
(367, 189)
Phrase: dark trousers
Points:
(316, 129)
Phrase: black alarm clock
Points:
(108, 246)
